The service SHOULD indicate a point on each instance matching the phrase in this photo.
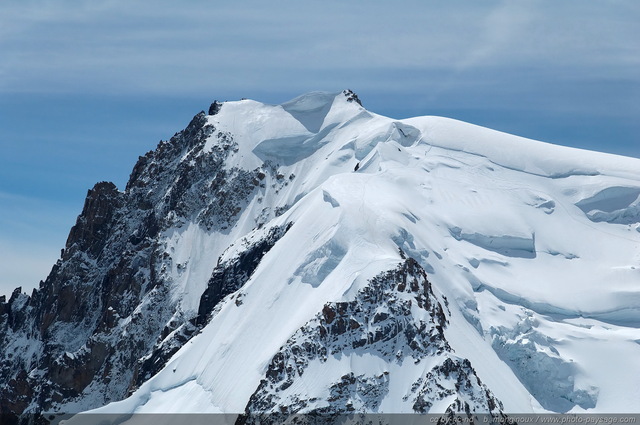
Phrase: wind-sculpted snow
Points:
(506, 245)
(251, 265)
(292, 149)
(310, 109)
(616, 205)
(319, 264)
(537, 362)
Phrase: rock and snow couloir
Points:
(316, 257)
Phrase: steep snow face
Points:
(290, 233)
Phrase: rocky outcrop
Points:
(396, 318)
(215, 107)
(94, 224)
(77, 342)
(352, 97)
(231, 275)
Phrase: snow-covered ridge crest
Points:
(519, 153)
(213, 273)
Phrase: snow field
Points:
(544, 293)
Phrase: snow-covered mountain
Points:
(316, 257)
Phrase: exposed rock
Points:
(215, 107)
(352, 97)
(379, 322)
(230, 276)
(93, 226)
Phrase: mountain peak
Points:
(315, 257)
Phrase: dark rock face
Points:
(352, 97)
(93, 225)
(230, 276)
(380, 322)
(215, 107)
(180, 182)
(81, 336)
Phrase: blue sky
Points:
(86, 87)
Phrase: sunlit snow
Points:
(536, 247)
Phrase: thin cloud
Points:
(122, 47)
(32, 232)
(540, 58)
(24, 265)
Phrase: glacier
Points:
(339, 260)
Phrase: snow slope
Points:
(535, 249)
